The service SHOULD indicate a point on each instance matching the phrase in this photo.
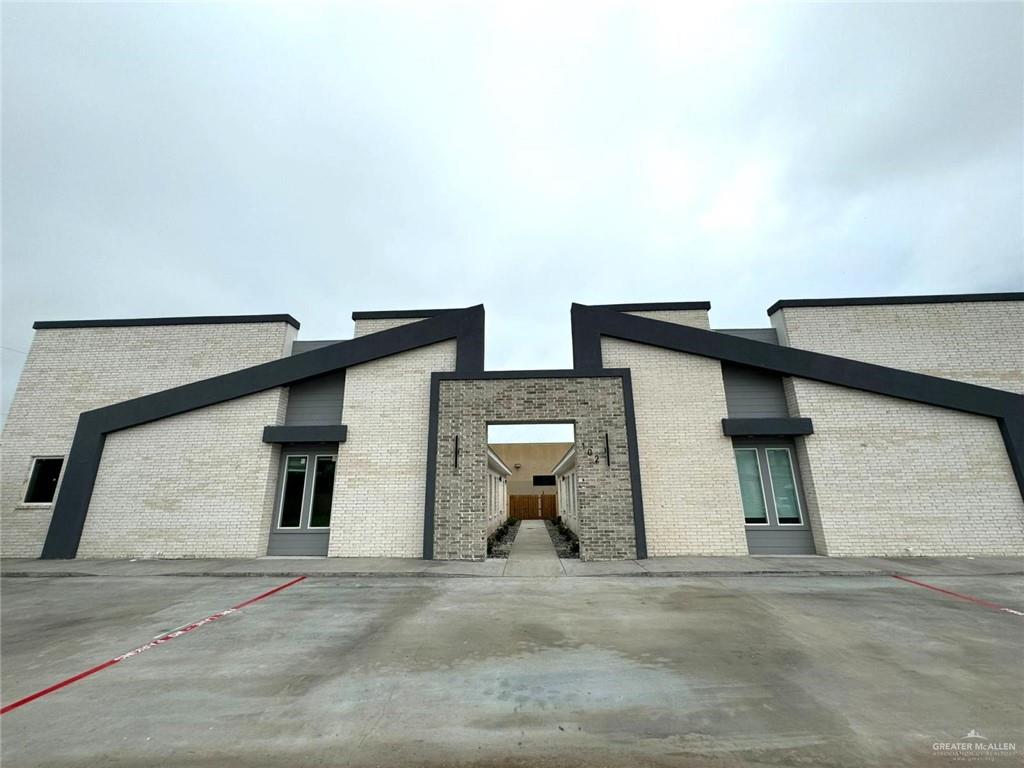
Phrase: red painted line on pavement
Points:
(951, 593)
(152, 644)
(268, 593)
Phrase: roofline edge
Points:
(871, 301)
(129, 322)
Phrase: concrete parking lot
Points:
(703, 671)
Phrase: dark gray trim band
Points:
(589, 324)
(465, 326)
(327, 433)
(757, 427)
(639, 522)
(1012, 429)
(399, 314)
(658, 306)
(639, 528)
(873, 301)
(431, 480)
(132, 322)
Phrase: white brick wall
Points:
(497, 501)
(381, 481)
(366, 327)
(887, 477)
(567, 500)
(698, 318)
(691, 492)
(977, 342)
(70, 370)
(200, 484)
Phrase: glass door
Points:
(302, 518)
(323, 493)
(773, 508)
(293, 495)
(768, 486)
(785, 498)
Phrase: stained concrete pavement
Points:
(831, 672)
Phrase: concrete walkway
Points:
(533, 553)
(364, 567)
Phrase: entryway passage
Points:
(532, 553)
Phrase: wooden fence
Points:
(533, 506)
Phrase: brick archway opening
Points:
(598, 404)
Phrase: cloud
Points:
(202, 159)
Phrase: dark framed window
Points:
(323, 492)
(42, 483)
(294, 492)
(306, 491)
(543, 479)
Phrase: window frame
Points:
(796, 486)
(760, 476)
(28, 480)
(283, 483)
(309, 512)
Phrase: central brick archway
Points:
(599, 404)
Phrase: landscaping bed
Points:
(499, 543)
(566, 542)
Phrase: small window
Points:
(543, 479)
(42, 485)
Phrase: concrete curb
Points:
(246, 575)
(429, 575)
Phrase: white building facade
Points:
(847, 427)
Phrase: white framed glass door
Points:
(773, 506)
(305, 497)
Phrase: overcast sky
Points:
(222, 159)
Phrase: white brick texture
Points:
(366, 327)
(70, 370)
(691, 492)
(698, 318)
(497, 501)
(888, 477)
(382, 467)
(201, 484)
(977, 342)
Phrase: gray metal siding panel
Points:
(309, 543)
(316, 402)
(780, 542)
(751, 394)
(767, 335)
(299, 347)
